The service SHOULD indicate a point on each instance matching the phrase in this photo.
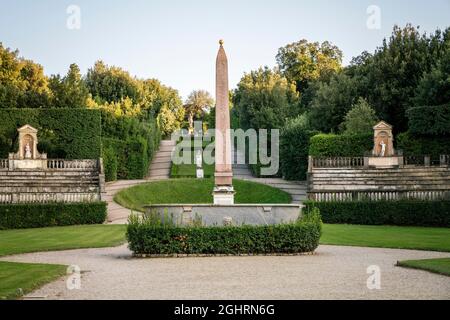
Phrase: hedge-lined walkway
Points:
(334, 272)
(159, 170)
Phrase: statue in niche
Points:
(383, 148)
(28, 154)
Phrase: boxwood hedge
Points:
(149, 238)
(332, 145)
(401, 212)
(32, 215)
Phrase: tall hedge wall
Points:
(428, 120)
(62, 133)
(294, 146)
(128, 157)
(332, 145)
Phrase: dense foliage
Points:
(264, 99)
(360, 119)
(34, 215)
(63, 133)
(401, 212)
(413, 145)
(150, 236)
(430, 121)
(294, 146)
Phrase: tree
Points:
(112, 84)
(197, 104)
(264, 99)
(434, 86)
(332, 101)
(360, 119)
(389, 78)
(304, 62)
(22, 82)
(70, 91)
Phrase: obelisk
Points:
(223, 190)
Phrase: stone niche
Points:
(383, 153)
(28, 157)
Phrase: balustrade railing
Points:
(30, 197)
(378, 195)
(4, 164)
(61, 164)
(338, 162)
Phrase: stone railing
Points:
(48, 197)
(378, 195)
(4, 164)
(336, 162)
(62, 164)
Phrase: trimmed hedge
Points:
(129, 157)
(294, 145)
(332, 145)
(150, 238)
(400, 213)
(63, 133)
(429, 120)
(19, 216)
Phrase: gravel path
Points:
(334, 272)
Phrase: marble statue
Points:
(383, 148)
(28, 151)
(198, 159)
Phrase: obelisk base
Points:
(223, 195)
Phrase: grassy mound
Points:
(195, 191)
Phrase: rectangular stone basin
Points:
(250, 214)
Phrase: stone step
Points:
(157, 178)
(163, 154)
(168, 143)
(159, 173)
(161, 160)
(48, 189)
(160, 165)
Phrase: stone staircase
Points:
(393, 183)
(161, 164)
(297, 189)
(37, 185)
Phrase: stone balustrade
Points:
(378, 195)
(29, 197)
(62, 164)
(337, 162)
(4, 164)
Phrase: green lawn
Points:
(194, 191)
(60, 238)
(31, 276)
(440, 266)
(433, 239)
(190, 171)
(26, 276)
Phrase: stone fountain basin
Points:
(211, 215)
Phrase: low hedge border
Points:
(32, 215)
(148, 238)
(401, 212)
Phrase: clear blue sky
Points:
(176, 40)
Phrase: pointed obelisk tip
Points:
(221, 42)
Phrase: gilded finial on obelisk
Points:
(221, 42)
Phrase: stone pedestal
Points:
(223, 195)
(384, 162)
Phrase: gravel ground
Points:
(334, 272)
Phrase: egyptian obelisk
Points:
(223, 190)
